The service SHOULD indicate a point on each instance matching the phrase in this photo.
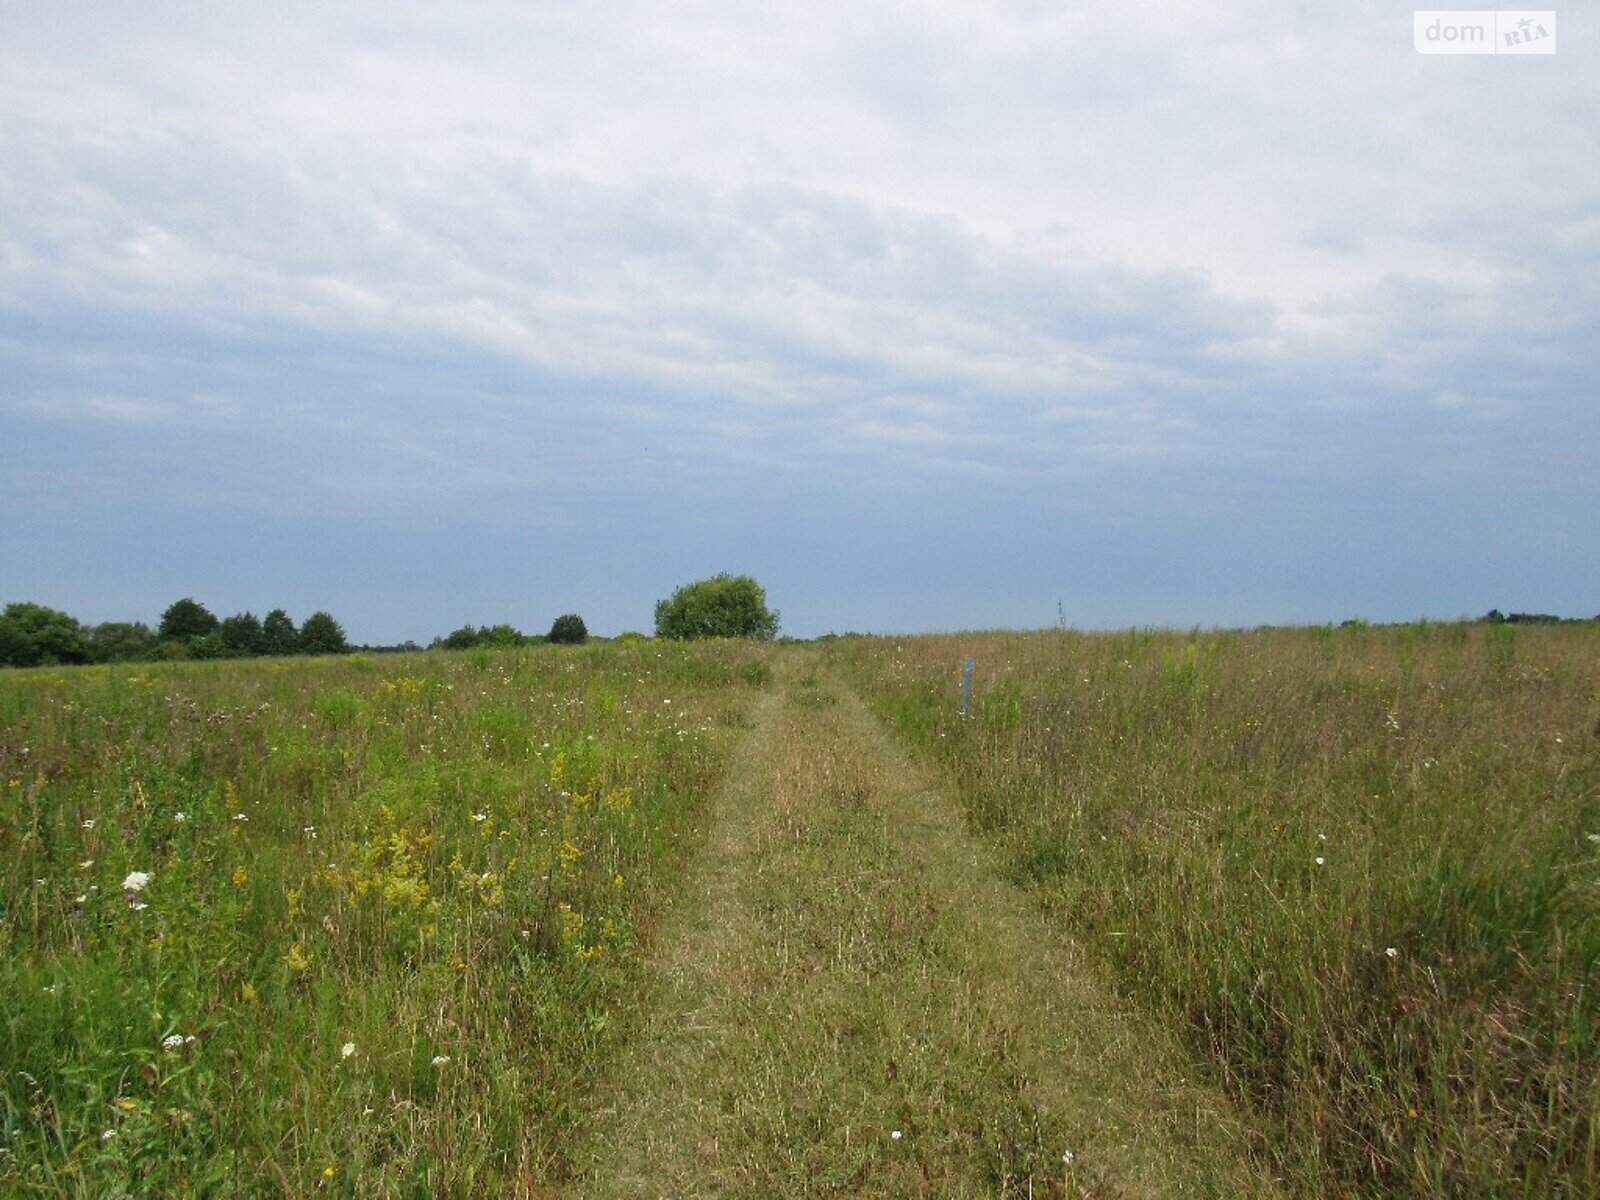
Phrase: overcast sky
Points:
(929, 316)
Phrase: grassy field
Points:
(356, 925)
(444, 924)
(1358, 869)
(858, 1004)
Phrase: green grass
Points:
(393, 909)
(1359, 869)
(856, 1004)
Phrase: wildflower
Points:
(1320, 860)
(172, 1041)
(327, 1172)
(88, 823)
(108, 1135)
(480, 817)
(896, 1135)
(247, 993)
(440, 1060)
(240, 876)
(179, 818)
(1594, 837)
(1068, 1157)
(240, 817)
(136, 880)
(1391, 952)
(347, 1050)
(86, 864)
(297, 959)
(138, 906)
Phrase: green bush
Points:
(185, 620)
(32, 635)
(321, 634)
(722, 606)
(569, 630)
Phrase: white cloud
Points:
(501, 249)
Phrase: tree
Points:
(121, 641)
(502, 636)
(569, 630)
(32, 635)
(464, 638)
(185, 620)
(243, 636)
(321, 634)
(278, 634)
(722, 606)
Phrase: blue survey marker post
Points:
(966, 685)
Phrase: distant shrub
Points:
(321, 634)
(722, 606)
(185, 620)
(32, 635)
(121, 641)
(502, 636)
(278, 634)
(569, 630)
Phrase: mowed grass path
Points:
(850, 1001)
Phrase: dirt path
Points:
(850, 1002)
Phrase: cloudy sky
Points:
(930, 316)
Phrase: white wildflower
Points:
(347, 1050)
(172, 1041)
(439, 1060)
(1392, 952)
(88, 823)
(1320, 860)
(136, 880)
(179, 818)
(896, 1135)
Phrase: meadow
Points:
(1357, 869)
(396, 925)
(362, 925)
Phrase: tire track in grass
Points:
(849, 1001)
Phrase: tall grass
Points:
(1359, 867)
(389, 916)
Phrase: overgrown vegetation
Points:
(1360, 868)
(353, 924)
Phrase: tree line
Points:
(32, 635)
